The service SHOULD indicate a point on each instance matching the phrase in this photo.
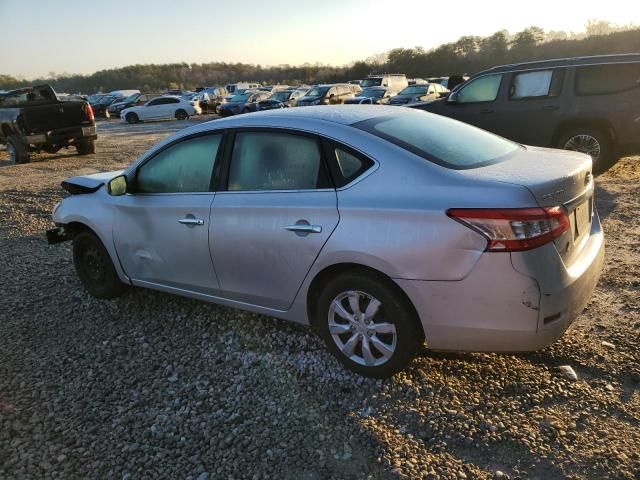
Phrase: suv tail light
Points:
(89, 112)
(514, 229)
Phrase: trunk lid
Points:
(554, 178)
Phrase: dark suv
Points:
(588, 104)
(326, 95)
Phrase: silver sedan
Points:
(381, 227)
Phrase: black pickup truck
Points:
(32, 119)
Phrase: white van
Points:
(394, 82)
(240, 87)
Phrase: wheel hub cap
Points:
(360, 328)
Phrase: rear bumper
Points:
(63, 135)
(508, 303)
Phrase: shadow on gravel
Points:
(605, 201)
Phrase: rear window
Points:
(607, 79)
(441, 140)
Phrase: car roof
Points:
(339, 114)
(564, 62)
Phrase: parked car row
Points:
(561, 103)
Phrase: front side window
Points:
(463, 147)
(185, 167)
(153, 103)
(607, 79)
(482, 89)
(541, 83)
(276, 161)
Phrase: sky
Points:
(83, 36)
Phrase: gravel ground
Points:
(157, 386)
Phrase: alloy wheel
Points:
(584, 143)
(360, 329)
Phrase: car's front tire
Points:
(131, 118)
(17, 150)
(368, 324)
(181, 115)
(94, 267)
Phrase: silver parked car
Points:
(382, 227)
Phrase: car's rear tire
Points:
(131, 118)
(593, 142)
(181, 114)
(94, 267)
(18, 151)
(368, 324)
(86, 146)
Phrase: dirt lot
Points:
(156, 386)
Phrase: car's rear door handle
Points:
(302, 228)
(191, 221)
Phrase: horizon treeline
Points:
(468, 55)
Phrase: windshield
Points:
(371, 93)
(420, 132)
(371, 82)
(414, 90)
(131, 98)
(106, 100)
(240, 98)
(280, 96)
(317, 92)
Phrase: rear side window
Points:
(346, 165)
(607, 79)
(276, 161)
(461, 147)
(540, 83)
(185, 167)
(482, 89)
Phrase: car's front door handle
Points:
(302, 228)
(551, 107)
(486, 110)
(191, 221)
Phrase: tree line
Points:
(469, 54)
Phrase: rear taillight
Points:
(514, 229)
(89, 112)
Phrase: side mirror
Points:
(117, 186)
(453, 97)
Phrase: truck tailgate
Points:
(42, 118)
